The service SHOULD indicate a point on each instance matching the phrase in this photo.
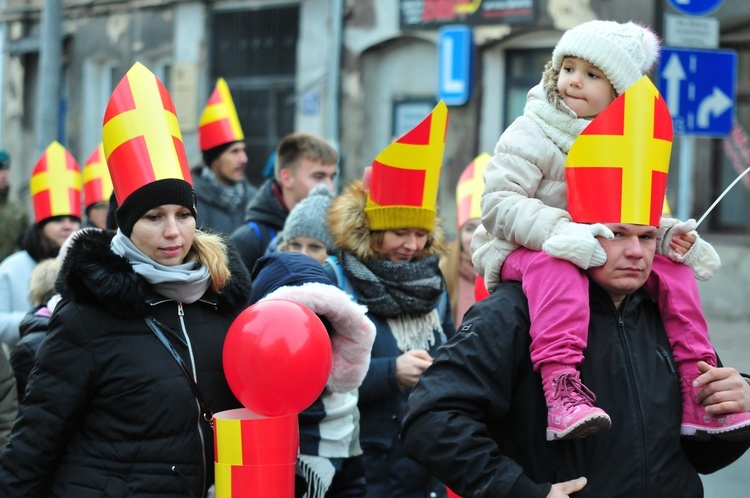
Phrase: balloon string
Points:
(726, 191)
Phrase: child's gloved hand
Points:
(680, 242)
(669, 229)
(577, 243)
(702, 258)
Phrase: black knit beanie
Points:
(151, 195)
(212, 154)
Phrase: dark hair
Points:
(212, 154)
(111, 219)
(38, 245)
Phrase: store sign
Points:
(431, 14)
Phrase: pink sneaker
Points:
(570, 408)
(696, 423)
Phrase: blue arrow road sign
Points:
(699, 89)
(455, 52)
(696, 7)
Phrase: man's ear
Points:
(287, 179)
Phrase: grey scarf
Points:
(225, 195)
(406, 294)
(184, 283)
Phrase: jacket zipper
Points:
(621, 326)
(181, 315)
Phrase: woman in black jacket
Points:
(109, 411)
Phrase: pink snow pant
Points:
(557, 292)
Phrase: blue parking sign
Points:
(696, 7)
(455, 57)
(699, 89)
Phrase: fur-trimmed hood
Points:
(299, 278)
(92, 274)
(350, 228)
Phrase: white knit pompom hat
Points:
(623, 52)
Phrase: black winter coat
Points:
(477, 418)
(33, 329)
(108, 412)
(265, 219)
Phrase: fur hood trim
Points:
(92, 274)
(350, 228)
(354, 332)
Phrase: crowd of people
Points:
(586, 370)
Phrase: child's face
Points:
(584, 88)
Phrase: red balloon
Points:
(277, 357)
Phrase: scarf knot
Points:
(226, 195)
(405, 294)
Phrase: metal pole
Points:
(334, 77)
(3, 58)
(685, 179)
(48, 89)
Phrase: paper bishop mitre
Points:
(469, 190)
(219, 123)
(56, 184)
(97, 185)
(616, 170)
(404, 178)
(141, 136)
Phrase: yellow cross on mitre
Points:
(616, 170)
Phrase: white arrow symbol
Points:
(715, 104)
(674, 74)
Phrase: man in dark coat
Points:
(220, 184)
(13, 217)
(302, 162)
(477, 417)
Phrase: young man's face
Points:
(584, 87)
(229, 167)
(629, 258)
(298, 182)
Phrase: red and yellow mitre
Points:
(56, 184)
(219, 123)
(469, 190)
(405, 176)
(616, 170)
(141, 136)
(97, 185)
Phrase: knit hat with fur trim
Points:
(623, 52)
(308, 217)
